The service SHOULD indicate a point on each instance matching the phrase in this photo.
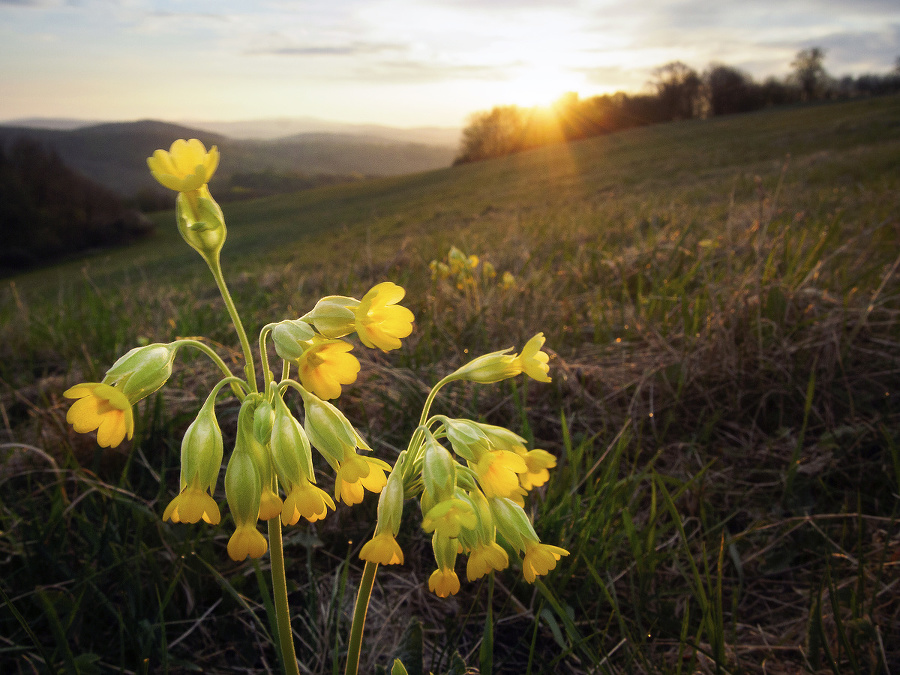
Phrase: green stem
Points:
(359, 618)
(279, 591)
(196, 344)
(215, 267)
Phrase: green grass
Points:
(722, 302)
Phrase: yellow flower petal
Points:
(247, 541)
(382, 549)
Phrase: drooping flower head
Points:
(380, 321)
(307, 501)
(185, 167)
(101, 407)
(326, 365)
(357, 474)
(382, 549)
(540, 559)
(201, 459)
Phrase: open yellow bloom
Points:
(498, 473)
(306, 500)
(540, 559)
(380, 321)
(101, 407)
(533, 360)
(382, 549)
(247, 541)
(192, 504)
(443, 582)
(358, 474)
(185, 167)
(485, 559)
(538, 462)
(326, 365)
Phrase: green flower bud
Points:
(328, 429)
(202, 448)
(290, 448)
(270, 505)
(142, 370)
(333, 316)
(501, 438)
(438, 470)
(512, 523)
(201, 222)
(444, 550)
(467, 438)
(489, 368)
(291, 338)
(263, 419)
(243, 487)
(390, 505)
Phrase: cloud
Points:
(353, 49)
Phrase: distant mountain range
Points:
(114, 154)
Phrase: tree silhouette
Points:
(809, 72)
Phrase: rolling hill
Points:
(113, 154)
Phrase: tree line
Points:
(48, 211)
(678, 92)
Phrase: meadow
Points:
(721, 303)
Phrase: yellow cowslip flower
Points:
(380, 321)
(537, 462)
(247, 541)
(243, 489)
(326, 365)
(485, 559)
(498, 473)
(306, 500)
(490, 368)
(507, 281)
(353, 478)
(443, 582)
(192, 504)
(533, 360)
(449, 517)
(382, 549)
(540, 559)
(101, 407)
(185, 167)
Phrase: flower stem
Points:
(215, 267)
(359, 617)
(279, 591)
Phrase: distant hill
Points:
(114, 154)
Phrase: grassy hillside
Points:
(721, 302)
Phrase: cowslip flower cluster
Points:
(463, 271)
(471, 493)
(272, 454)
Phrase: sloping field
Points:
(720, 299)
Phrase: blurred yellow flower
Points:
(326, 365)
(101, 407)
(443, 582)
(540, 559)
(380, 321)
(382, 549)
(305, 500)
(185, 167)
(192, 504)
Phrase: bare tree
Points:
(809, 72)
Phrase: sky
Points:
(404, 63)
